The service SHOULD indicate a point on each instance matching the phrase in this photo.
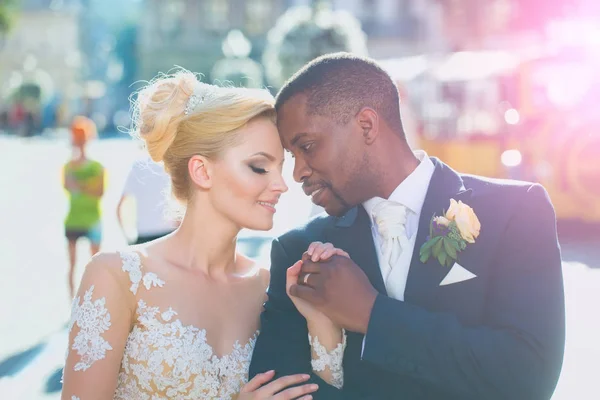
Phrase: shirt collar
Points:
(411, 191)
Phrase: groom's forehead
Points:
(292, 108)
(292, 117)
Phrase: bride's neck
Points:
(206, 241)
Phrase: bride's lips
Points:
(269, 205)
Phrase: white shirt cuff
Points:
(362, 350)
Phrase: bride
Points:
(178, 317)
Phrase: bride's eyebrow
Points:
(264, 154)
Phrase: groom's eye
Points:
(306, 147)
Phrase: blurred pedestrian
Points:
(147, 184)
(84, 182)
(17, 116)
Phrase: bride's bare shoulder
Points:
(254, 270)
(105, 271)
(119, 265)
(105, 262)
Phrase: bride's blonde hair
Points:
(173, 136)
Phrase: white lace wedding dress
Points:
(161, 358)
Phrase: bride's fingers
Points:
(284, 382)
(327, 253)
(295, 269)
(330, 252)
(296, 392)
(319, 250)
(292, 274)
(258, 381)
(342, 253)
(307, 397)
(312, 247)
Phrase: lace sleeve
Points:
(328, 364)
(98, 330)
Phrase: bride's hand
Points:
(317, 251)
(258, 389)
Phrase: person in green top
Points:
(84, 182)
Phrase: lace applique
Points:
(167, 315)
(93, 319)
(333, 359)
(133, 266)
(165, 359)
(151, 279)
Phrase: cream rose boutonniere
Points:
(449, 234)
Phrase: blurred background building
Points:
(501, 88)
(467, 69)
(63, 57)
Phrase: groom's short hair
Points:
(338, 85)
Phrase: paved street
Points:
(33, 259)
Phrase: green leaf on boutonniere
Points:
(450, 249)
(429, 244)
(442, 257)
(425, 254)
(438, 246)
(425, 251)
(455, 244)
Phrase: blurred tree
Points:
(122, 71)
(237, 68)
(8, 10)
(304, 33)
(126, 51)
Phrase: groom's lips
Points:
(316, 193)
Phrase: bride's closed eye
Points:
(258, 170)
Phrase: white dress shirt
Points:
(411, 193)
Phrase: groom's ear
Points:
(200, 171)
(368, 121)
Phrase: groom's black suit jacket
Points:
(497, 336)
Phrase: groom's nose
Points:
(301, 169)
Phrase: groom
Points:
(466, 305)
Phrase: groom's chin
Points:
(336, 209)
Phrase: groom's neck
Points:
(396, 161)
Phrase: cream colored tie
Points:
(390, 218)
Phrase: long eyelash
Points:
(290, 153)
(258, 170)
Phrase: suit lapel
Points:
(352, 233)
(423, 279)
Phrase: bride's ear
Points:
(200, 170)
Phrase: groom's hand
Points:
(339, 289)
